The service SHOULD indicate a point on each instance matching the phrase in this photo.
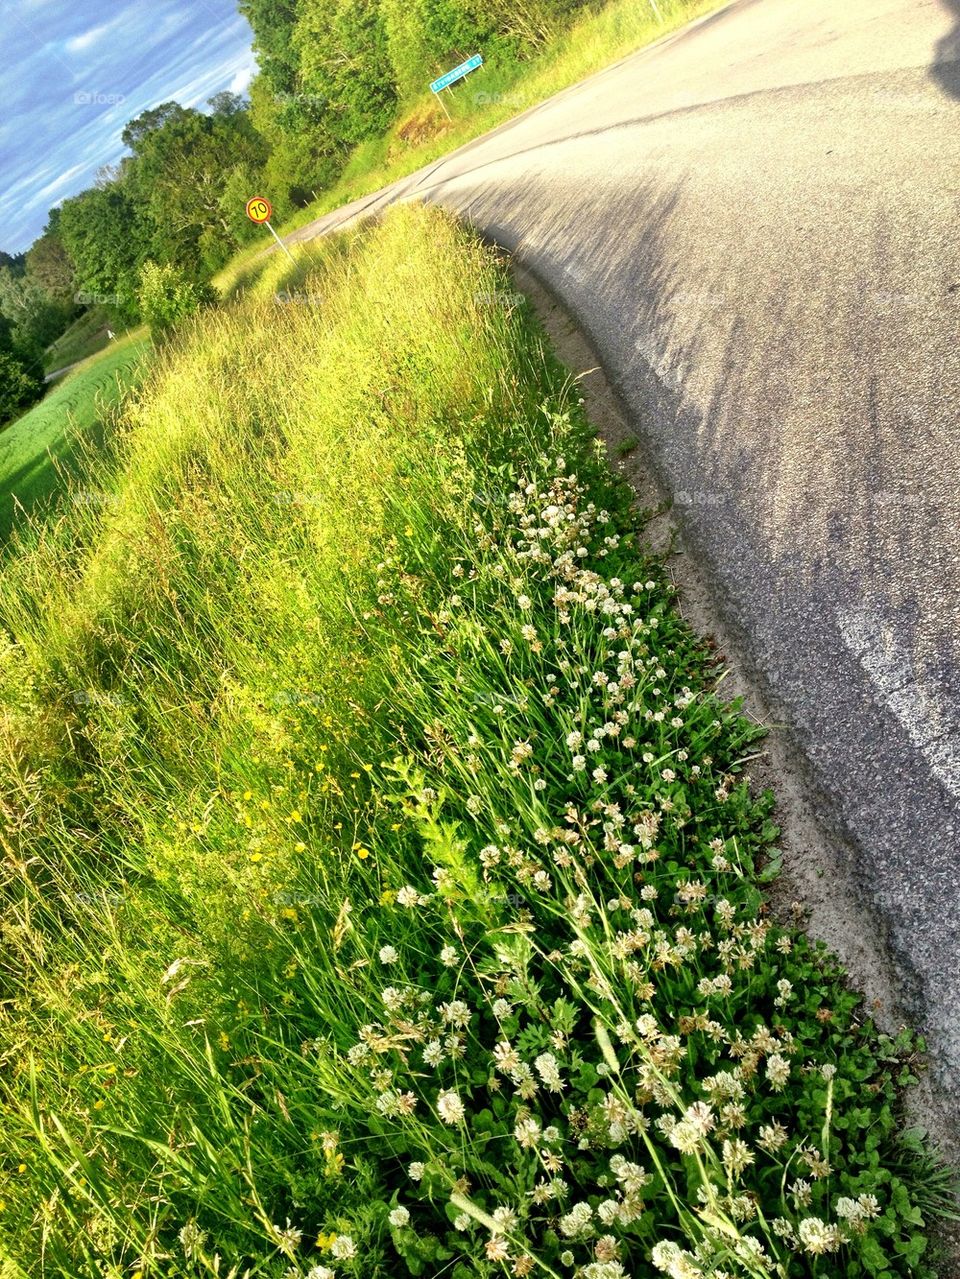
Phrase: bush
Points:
(166, 297)
(19, 386)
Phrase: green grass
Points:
(382, 881)
(42, 448)
(481, 102)
(85, 337)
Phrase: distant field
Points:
(42, 445)
(86, 336)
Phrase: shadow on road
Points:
(946, 65)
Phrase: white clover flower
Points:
(524, 602)
(527, 1132)
(667, 1256)
(388, 955)
(577, 1221)
(321, 1272)
(547, 1068)
(700, 1115)
(449, 956)
(817, 1237)
(416, 1170)
(408, 896)
(505, 1219)
(574, 739)
(400, 1217)
(463, 1222)
(737, 1155)
(579, 763)
(772, 1136)
(785, 989)
(451, 1108)
(343, 1248)
(777, 1071)
(502, 1008)
(456, 1013)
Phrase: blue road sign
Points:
(457, 73)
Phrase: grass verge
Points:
(483, 101)
(45, 446)
(382, 880)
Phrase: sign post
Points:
(451, 77)
(260, 211)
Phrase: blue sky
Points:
(73, 72)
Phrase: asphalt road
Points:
(757, 222)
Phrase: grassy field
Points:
(382, 880)
(41, 449)
(85, 337)
(484, 100)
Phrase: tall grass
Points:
(380, 878)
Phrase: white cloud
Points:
(241, 81)
(77, 44)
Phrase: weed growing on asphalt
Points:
(382, 878)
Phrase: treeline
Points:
(334, 73)
(157, 226)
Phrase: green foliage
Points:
(427, 37)
(166, 297)
(273, 23)
(49, 264)
(304, 157)
(105, 234)
(343, 64)
(20, 385)
(183, 163)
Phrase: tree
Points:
(19, 386)
(178, 175)
(152, 121)
(304, 157)
(344, 63)
(427, 37)
(35, 320)
(273, 23)
(103, 232)
(49, 264)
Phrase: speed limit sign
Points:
(259, 210)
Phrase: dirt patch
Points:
(816, 887)
(424, 124)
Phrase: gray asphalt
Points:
(757, 222)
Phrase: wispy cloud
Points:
(77, 44)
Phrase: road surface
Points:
(757, 222)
